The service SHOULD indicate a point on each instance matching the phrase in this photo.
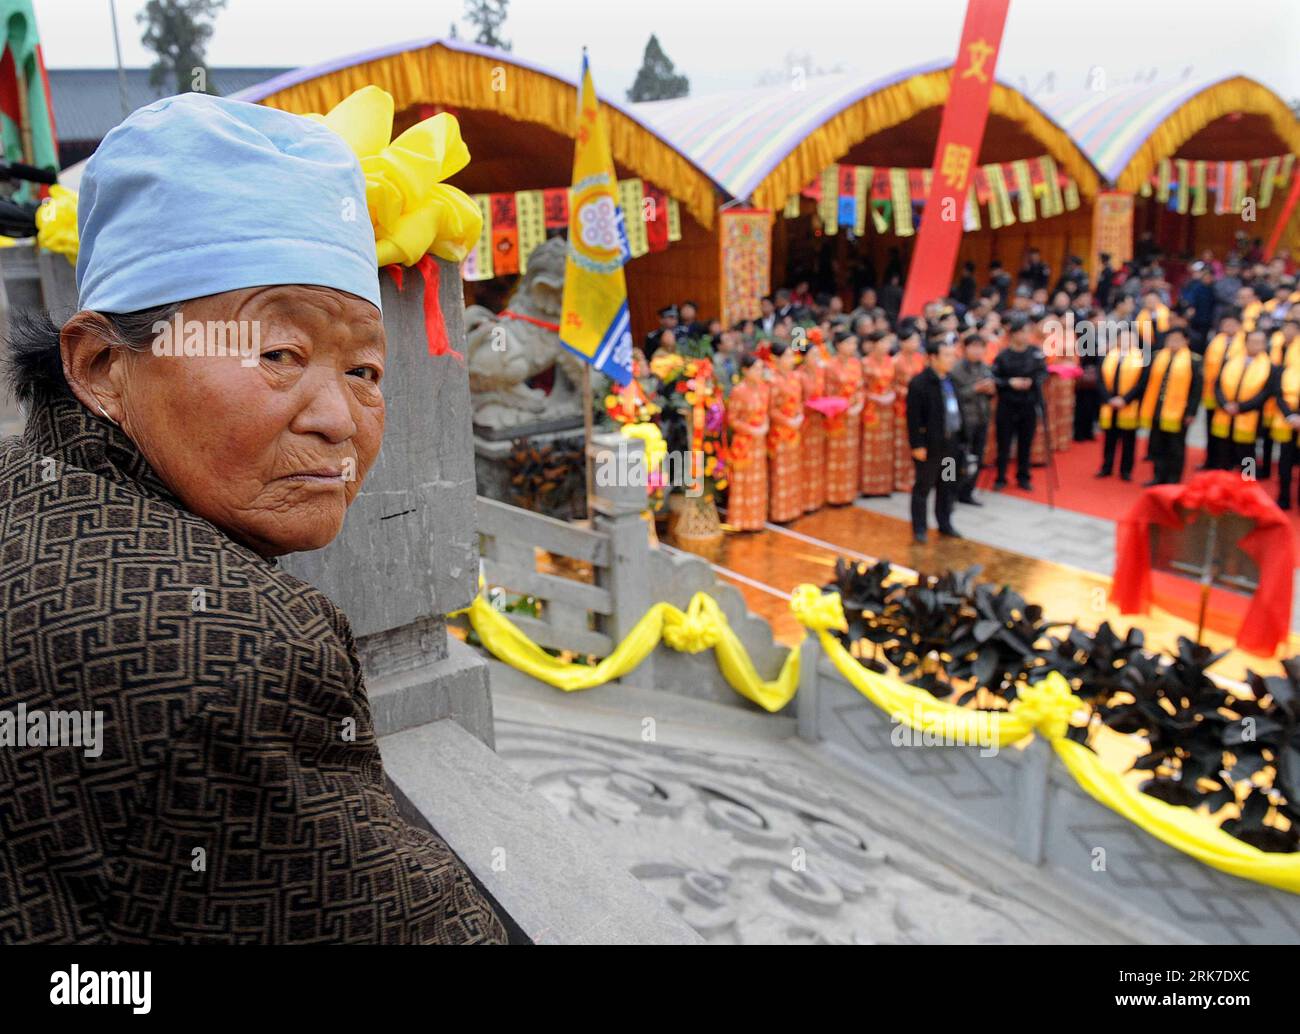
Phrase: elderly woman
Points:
(236, 794)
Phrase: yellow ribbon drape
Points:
(701, 626)
(1046, 708)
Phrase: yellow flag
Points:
(595, 323)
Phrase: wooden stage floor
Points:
(767, 565)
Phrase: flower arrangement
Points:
(692, 415)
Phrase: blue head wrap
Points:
(194, 195)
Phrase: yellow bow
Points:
(693, 631)
(818, 611)
(413, 212)
(1047, 705)
(56, 223)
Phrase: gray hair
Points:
(34, 364)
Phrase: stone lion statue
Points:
(505, 352)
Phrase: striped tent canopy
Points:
(1127, 130)
(499, 85)
(767, 143)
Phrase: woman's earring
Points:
(100, 406)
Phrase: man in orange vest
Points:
(1230, 341)
(1124, 374)
(1286, 426)
(1245, 384)
(1169, 406)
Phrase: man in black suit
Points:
(934, 431)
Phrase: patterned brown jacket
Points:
(236, 794)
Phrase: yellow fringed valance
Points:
(437, 74)
(1214, 102)
(1044, 708)
(895, 104)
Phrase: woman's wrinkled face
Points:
(272, 447)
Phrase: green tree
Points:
(488, 17)
(178, 32)
(656, 80)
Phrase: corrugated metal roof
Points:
(739, 136)
(1111, 124)
(87, 103)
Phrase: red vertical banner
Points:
(956, 155)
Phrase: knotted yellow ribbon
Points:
(56, 223)
(412, 211)
(695, 630)
(818, 611)
(1047, 706)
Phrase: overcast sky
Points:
(722, 44)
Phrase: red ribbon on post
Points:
(956, 155)
(435, 328)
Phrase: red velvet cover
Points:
(1271, 545)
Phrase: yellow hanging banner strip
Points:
(1000, 213)
(828, 204)
(902, 199)
(1025, 187)
(478, 263)
(1071, 195)
(1267, 180)
(1184, 185)
(674, 220)
(791, 210)
(862, 176)
(530, 216)
(1052, 201)
(630, 195)
(1164, 174)
(1198, 188)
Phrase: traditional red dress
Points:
(785, 455)
(813, 440)
(747, 470)
(1059, 394)
(878, 428)
(905, 369)
(844, 431)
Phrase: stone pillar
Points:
(58, 279)
(408, 552)
(618, 504)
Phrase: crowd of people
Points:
(826, 403)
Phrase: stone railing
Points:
(1018, 801)
(628, 575)
(1022, 800)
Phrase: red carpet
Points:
(1076, 489)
